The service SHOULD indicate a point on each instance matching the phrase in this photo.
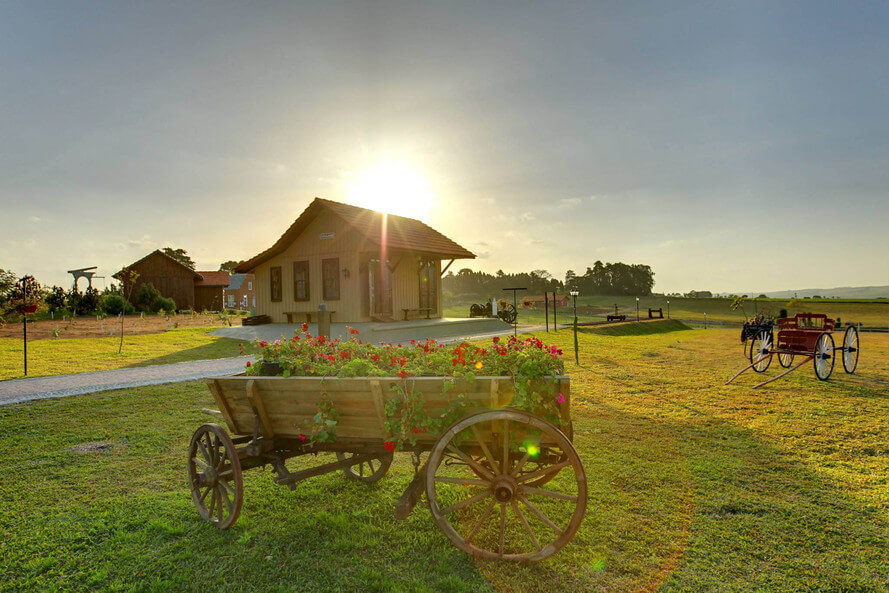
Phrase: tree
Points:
(229, 266)
(7, 284)
(128, 279)
(181, 256)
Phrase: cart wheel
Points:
(368, 471)
(785, 359)
(491, 510)
(760, 352)
(214, 471)
(824, 357)
(508, 314)
(850, 349)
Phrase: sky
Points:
(731, 146)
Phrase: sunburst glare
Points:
(392, 187)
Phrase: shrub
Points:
(56, 298)
(114, 304)
(163, 304)
(146, 296)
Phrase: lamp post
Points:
(574, 294)
(668, 309)
(637, 309)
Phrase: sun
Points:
(393, 188)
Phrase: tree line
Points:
(606, 279)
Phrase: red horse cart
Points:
(807, 335)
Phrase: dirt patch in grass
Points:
(94, 447)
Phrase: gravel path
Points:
(23, 390)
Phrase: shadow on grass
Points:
(222, 348)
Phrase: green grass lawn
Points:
(693, 486)
(872, 313)
(57, 356)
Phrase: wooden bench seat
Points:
(292, 316)
(427, 310)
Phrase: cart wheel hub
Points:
(504, 488)
(209, 477)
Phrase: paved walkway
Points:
(23, 390)
(17, 391)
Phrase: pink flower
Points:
(561, 399)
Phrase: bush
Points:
(146, 296)
(163, 304)
(114, 304)
(56, 298)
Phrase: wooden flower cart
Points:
(500, 483)
(805, 335)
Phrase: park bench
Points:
(292, 316)
(616, 318)
(427, 310)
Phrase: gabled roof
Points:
(162, 254)
(401, 232)
(220, 278)
(236, 281)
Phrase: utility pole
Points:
(574, 294)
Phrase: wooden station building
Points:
(190, 289)
(364, 265)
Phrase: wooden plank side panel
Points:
(290, 404)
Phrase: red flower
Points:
(496, 339)
(416, 430)
(305, 327)
(389, 446)
(248, 363)
(263, 344)
(402, 374)
(303, 438)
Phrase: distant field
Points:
(870, 313)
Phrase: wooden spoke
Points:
(545, 471)
(540, 515)
(521, 464)
(521, 516)
(481, 521)
(490, 536)
(469, 460)
(206, 492)
(201, 462)
(222, 494)
(464, 503)
(550, 493)
(502, 527)
(461, 481)
(213, 498)
(204, 452)
(505, 466)
(491, 459)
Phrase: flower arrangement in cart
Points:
(304, 355)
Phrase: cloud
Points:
(34, 219)
(568, 203)
(527, 216)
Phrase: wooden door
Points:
(379, 289)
